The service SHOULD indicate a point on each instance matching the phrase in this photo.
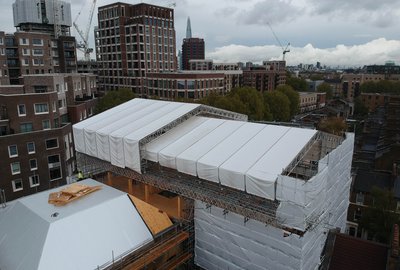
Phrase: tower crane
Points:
(84, 44)
(284, 50)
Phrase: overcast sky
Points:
(333, 32)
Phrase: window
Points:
(360, 198)
(46, 124)
(31, 147)
(54, 167)
(24, 41)
(25, 62)
(13, 151)
(41, 108)
(37, 52)
(17, 185)
(26, 52)
(37, 42)
(33, 164)
(51, 143)
(34, 180)
(21, 110)
(15, 168)
(26, 127)
(357, 214)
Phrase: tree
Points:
(252, 101)
(333, 125)
(279, 105)
(325, 88)
(378, 219)
(113, 98)
(297, 84)
(293, 97)
(382, 86)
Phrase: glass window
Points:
(17, 185)
(26, 127)
(46, 124)
(37, 41)
(31, 147)
(13, 151)
(51, 143)
(15, 168)
(33, 164)
(21, 110)
(359, 198)
(54, 167)
(41, 108)
(37, 52)
(34, 180)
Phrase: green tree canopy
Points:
(325, 88)
(245, 100)
(382, 86)
(293, 97)
(251, 99)
(333, 125)
(378, 219)
(279, 105)
(297, 84)
(113, 98)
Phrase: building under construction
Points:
(253, 196)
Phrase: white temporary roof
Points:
(115, 134)
(241, 155)
(83, 234)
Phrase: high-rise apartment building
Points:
(42, 43)
(132, 40)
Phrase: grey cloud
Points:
(381, 13)
(226, 12)
(270, 11)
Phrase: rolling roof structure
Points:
(117, 135)
(237, 154)
(83, 234)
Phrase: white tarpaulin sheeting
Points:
(241, 155)
(78, 128)
(114, 135)
(224, 240)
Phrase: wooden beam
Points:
(130, 186)
(146, 193)
(157, 252)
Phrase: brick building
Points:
(189, 85)
(36, 147)
(267, 77)
(131, 41)
(192, 48)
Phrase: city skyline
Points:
(336, 33)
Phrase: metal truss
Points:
(213, 194)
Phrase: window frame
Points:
(30, 164)
(9, 151)
(19, 111)
(49, 148)
(19, 168)
(14, 186)
(34, 148)
(31, 180)
(41, 112)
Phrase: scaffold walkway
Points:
(213, 194)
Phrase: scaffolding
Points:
(213, 194)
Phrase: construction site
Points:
(241, 195)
